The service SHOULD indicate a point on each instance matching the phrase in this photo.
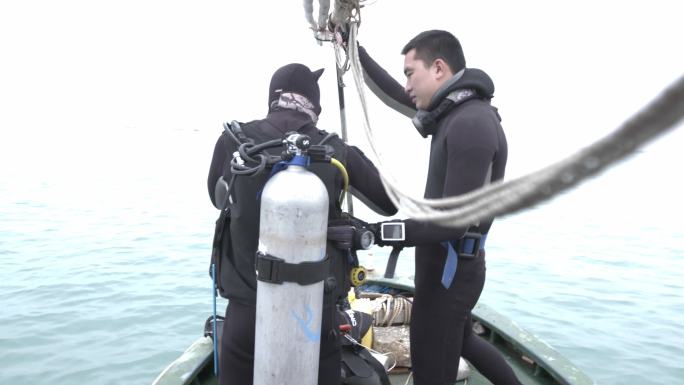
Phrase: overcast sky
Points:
(78, 75)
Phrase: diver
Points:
(450, 103)
(293, 106)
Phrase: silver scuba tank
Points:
(293, 229)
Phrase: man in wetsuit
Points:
(294, 105)
(468, 150)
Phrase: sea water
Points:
(104, 265)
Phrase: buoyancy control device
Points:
(290, 261)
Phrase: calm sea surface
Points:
(104, 266)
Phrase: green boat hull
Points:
(534, 361)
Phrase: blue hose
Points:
(215, 337)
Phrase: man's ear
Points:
(442, 68)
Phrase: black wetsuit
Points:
(468, 150)
(237, 279)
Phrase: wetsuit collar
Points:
(426, 121)
(288, 120)
(464, 85)
(445, 89)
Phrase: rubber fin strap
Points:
(451, 263)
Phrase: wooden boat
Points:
(534, 361)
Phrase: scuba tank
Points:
(291, 268)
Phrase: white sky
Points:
(79, 75)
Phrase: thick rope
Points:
(308, 13)
(388, 307)
(346, 12)
(500, 199)
(319, 27)
(323, 9)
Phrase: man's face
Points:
(421, 81)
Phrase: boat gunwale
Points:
(187, 366)
(524, 342)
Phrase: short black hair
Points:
(436, 44)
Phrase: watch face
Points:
(367, 240)
(392, 231)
